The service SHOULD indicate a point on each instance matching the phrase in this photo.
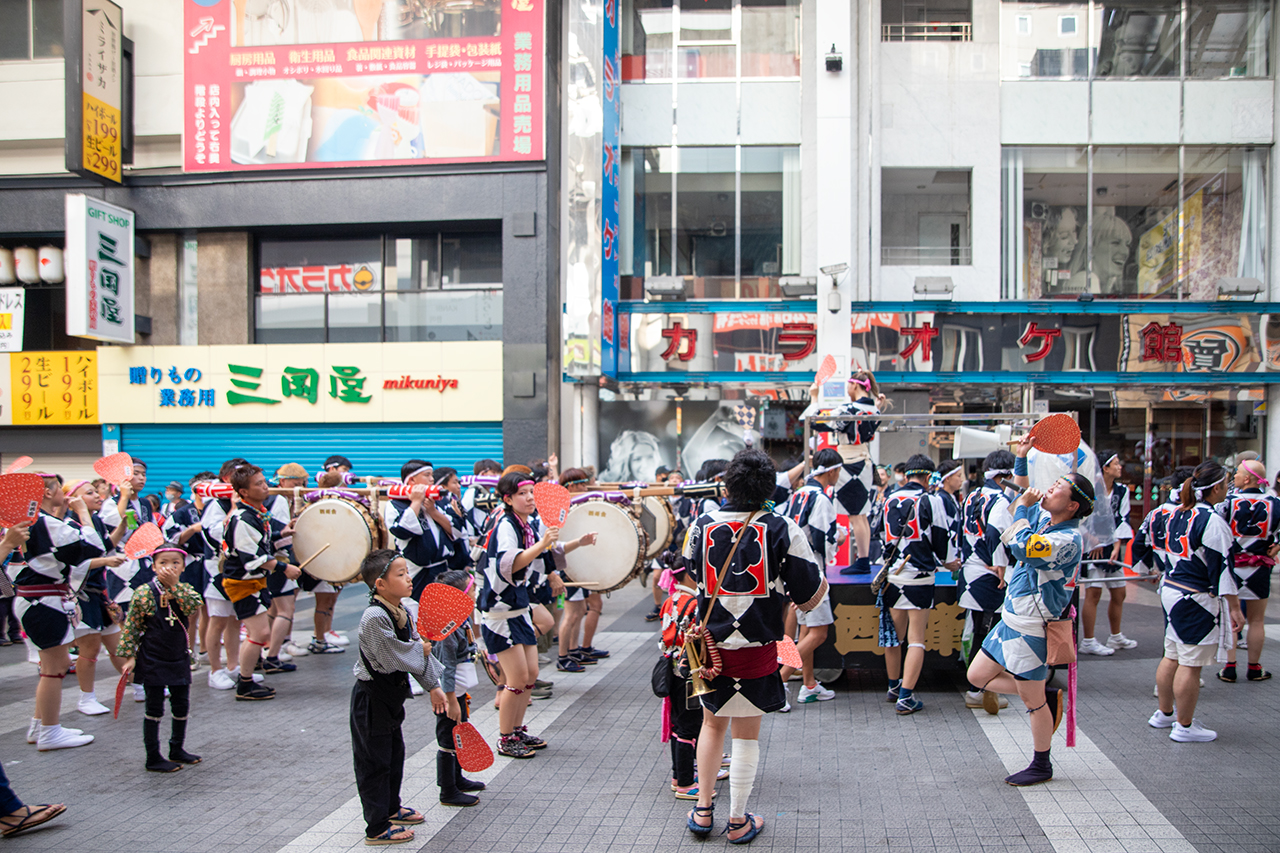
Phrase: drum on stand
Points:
(659, 523)
(348, 529)
(619, 552)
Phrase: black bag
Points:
(661, 678)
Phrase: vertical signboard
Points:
(99, 270)
(12, 314)
(611, 342)
(94, 43)
(53, 388)
(365, 82)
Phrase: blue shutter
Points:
(176, 452)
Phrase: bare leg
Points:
(917, 622)
(325, 602)
(515, 672)
(1257, 630)
(573, 613)
(1165, 673)
(1186, 692)
(810, 639)
(231, 640)
(282, 624)
(53, 663)
(112, 641)
(531, 666)
(1032, 693)
(789, 628)
(202, 624)
(87, 647)
(214, 630)
(257, 638)
(861, 528)
(1089, 610)
(986, 674)
(893, 654)
(1115, 607)
(595, 606)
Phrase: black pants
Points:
(444, 725)
(984, 622)
(8, 622)
(686, 723)
(377, 749)
(179, 700)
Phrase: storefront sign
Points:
(95, 89)
(765, 342)
(99, 270)
(306, 85)
(50, 388)
(612, 350)
(12, 314)
(331, 278)
(312, 382)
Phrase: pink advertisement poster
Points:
(296, 84)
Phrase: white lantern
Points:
(51, 265)
(27, 265)
(7, 273)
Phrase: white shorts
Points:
(220, 607)
(1098, 571)
(1188, 655)
(818, 616)
(83, 630)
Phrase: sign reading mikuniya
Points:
(95, 83)
(99, 270)
(12, 313)
(369, 82)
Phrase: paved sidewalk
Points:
(846, 775)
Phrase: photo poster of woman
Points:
(637, 437)
(1143, 250)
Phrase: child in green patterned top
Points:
(154, 645)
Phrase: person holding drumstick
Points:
(421, 532)
(522, 551)
(750, 565)
(1045, 540)
(572, 658)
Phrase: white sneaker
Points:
(284, 657)
(56, 737)
(336, 638)
(1161, 720)
(220, 680)
(1194, 733)
(1242, 643)
(817, 694)
(1120, 641)
(90, 706)
(1091, 646)
(785, 709)
(33, 730)
(295, 650)
(139, 693)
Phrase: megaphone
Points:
(977, 443)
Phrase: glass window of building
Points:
(924, 217)
(709, 39)
(1045, 39)
(1228, 38)
(438, 287)
(1140, 38)
(926, 20)
(1162, 223)
(30, 29)
(709, 222)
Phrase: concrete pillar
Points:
(163, 273)
(226, 294)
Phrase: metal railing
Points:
(929, 31)
(900, 256)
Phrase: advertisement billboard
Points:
(296, 84)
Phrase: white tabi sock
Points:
(742, 775)
(91, 696)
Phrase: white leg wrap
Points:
(742, 775)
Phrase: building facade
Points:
(347, 229)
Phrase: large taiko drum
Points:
(349, 530)
(659, 523)
(618, 553)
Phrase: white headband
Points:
(1199, 490)
(999, 472)
(419, 471)
(1113, 456)
(818, 472)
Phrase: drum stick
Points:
(582, 583)
(307, 561)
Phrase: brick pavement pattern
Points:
(847, 775)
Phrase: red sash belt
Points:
(754, 662)
(41, 590)
(1249, 560)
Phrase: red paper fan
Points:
(552, 501)
(124, 682)
(442, 610)
(1056, 434)
(788, 654)
(115, 469)
(18, 464)
(474, 753)
(144, 540)
(20, 496)
(825, 370)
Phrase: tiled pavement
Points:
(843, 775)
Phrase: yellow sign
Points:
(51, 388)
(101, 138)
(858, 625)
(6, 322)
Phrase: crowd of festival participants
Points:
(743, 572)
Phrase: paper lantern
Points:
(50, 259)
(27, 265)
(7, 273)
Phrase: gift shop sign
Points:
(325, 383)
(317, 85)
(99, 270)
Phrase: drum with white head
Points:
(348, 529)
(619, 551)
(659, 523)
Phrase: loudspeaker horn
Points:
(977, 443)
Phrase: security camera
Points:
(835, 62)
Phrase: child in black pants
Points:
(679, 612)
(154, 647)
(390, 651)
(455, 654)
